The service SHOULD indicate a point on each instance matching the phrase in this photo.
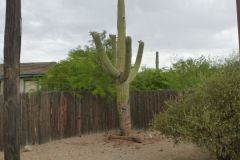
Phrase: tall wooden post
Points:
(157, 61)
(12, 49)
(238, 22)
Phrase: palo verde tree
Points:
(12, 47)
(80, 73)
(120, 67)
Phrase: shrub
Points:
(209, 116)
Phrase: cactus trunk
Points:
(123, 106)
(120, 67)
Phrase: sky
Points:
(175, 28)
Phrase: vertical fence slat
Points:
(29, 121)
(45, 117)
(34, 103)
(1, 123)
(78, 104)
(24, 127)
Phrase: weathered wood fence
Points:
(56, 115)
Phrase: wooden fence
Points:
(56, 115)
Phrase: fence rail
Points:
(55, 115)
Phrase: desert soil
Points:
(98, 147)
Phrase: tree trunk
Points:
(12, 48)
(123, 106)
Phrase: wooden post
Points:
(157, 61)
(238, 22)
(12, 49)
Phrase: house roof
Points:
(31, 69)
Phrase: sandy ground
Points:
(98, 147)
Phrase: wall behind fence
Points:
(56, 115)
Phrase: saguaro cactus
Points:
(157, 61)
(120, 67)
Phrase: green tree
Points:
(187, 74)
(81, 72)
(183, 75)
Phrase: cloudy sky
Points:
(175, 28)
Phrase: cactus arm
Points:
(124, 76)
(103, 56)
(137, 64)
(114, 49)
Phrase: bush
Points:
(209, 116)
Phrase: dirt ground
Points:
(98, 147)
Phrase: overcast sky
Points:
(175, 28)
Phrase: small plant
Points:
(209, 116)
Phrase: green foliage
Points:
(183, 75)
(80, 72)
(149, 79)
(209, 116)
(187, 74)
